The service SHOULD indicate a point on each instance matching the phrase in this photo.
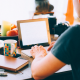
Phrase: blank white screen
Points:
(34, 32)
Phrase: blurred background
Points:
(13, 10)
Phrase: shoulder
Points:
(74, 28)
(71, 32)
(65, 43)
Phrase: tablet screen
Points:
(34, 32)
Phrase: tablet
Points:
(33, 32)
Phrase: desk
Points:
(27, 69)
(59, 75)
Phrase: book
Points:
(11, 63)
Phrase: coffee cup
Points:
(10, 47)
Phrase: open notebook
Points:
(33, 32)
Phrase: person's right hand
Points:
(38, 51)
(51, 45)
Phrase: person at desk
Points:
(66, 50)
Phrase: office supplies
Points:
(11, 63)
(33, 32)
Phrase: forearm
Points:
(35, 67)
(44, 64)
(41, 66)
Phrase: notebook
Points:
(11, 63)
(33, 32)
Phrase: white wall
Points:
(13, 10)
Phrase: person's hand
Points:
(51, 45)
(38, 51)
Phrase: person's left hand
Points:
(38, 51)
(51, 45)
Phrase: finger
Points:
(49, 48)
(43, 49)
(35, 46)
(31, 51)
(40, 46)
(32, 47)
(53, 42)
(33, 55)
